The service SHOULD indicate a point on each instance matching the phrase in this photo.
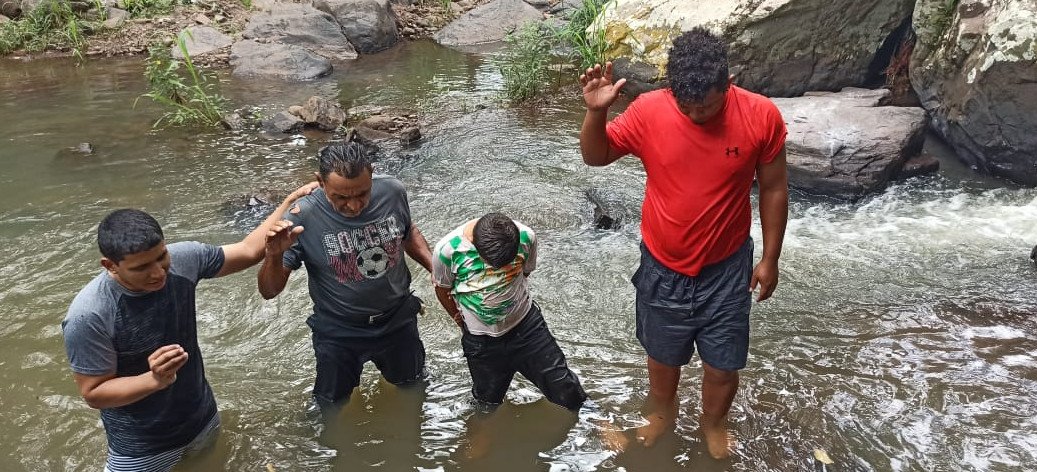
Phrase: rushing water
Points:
(902, 335)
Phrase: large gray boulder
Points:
(201, 40)
(284, 61)
(974, 68)
(844, 145)
(488, 23)
(370, 25)
(300, 25)
(777, 47)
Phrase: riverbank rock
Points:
(921, 164)
(777, 47)
(303, 26)
(321, 113)
(844, 145)
(370, 25)
(201, 40)
(488, 23)
(10, 9)
(974, 67)
(284, 61)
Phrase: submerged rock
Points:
(616, 207)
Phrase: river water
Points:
(902, 336)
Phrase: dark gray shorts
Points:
(676, 313)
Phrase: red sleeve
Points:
(774, 132)
(624, 132)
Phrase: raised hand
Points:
(281, 236)
(598, 90)
(165, 362)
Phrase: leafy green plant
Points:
(51, 25)
(524, 62)
(590, 49)
(148, 8)
(188, 93)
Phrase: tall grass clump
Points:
(590, 49)
(148, 8)
(524, 62)
(51, 25)
(188, 93)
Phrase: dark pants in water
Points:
(529, 349)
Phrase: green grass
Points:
(188, 93)
(52, 25)
(589, 49)
(147, 8)
(524, 62)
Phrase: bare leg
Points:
(718, 391)
(661, 405)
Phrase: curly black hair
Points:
(697, 63)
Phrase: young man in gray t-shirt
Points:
(351, 234)
(132, 342)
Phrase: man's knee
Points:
(568, 393)
(718, 376)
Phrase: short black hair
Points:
(696, 64)
(127, 231)
(496, 237)
(345, 159)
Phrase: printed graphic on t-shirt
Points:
(367, 252)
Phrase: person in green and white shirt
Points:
(480, 271)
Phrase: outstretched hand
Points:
(599, 92)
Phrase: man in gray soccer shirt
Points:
(351, 234)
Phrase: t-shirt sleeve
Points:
(625, 131)
(404, 206)
(197, 260)
(442, 271)
(87, 342)
(774, 132)
(530, 263)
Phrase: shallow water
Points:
(902, 336)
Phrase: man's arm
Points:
(599, 93)
(416, 246)
(109, 391)
(249, 251)
(447, 300)
(773, 180)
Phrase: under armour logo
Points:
(731, 150)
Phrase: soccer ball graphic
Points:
(372, 262)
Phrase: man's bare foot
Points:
(719, 440)
(658, 424)
(614, 438)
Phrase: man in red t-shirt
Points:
(702, 141)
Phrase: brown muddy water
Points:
(902, 336)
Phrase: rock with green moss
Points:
(974, 68)
(778, 47)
